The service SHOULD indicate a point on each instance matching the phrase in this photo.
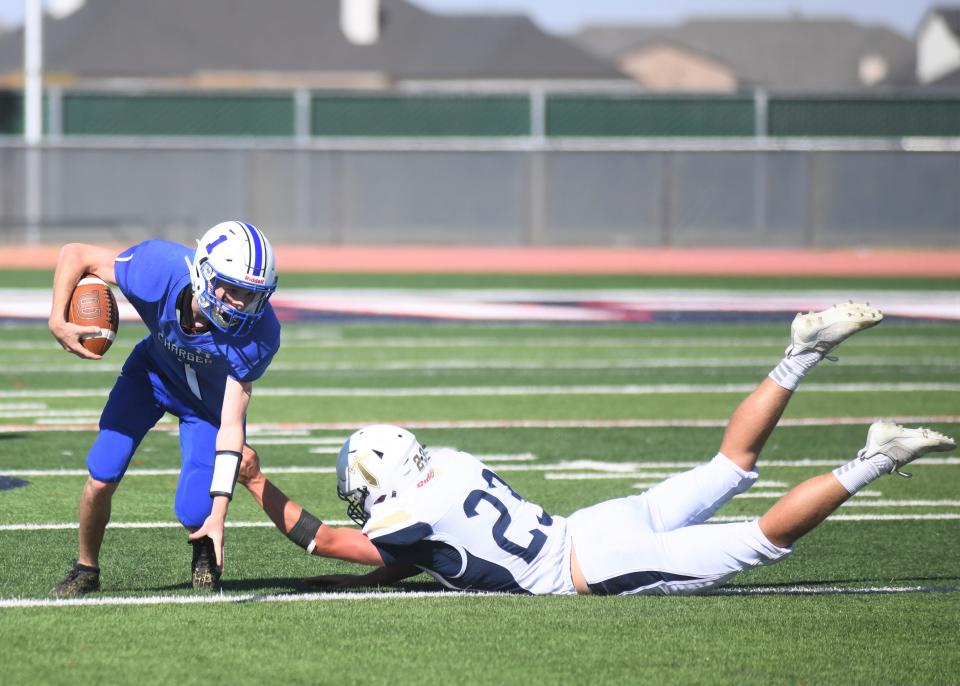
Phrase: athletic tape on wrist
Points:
(226, 467)
(304, 532)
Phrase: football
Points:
(93, 304)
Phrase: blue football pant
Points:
(136, 403)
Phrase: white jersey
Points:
(468, 529)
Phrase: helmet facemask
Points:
(356, 499)
(222, 315)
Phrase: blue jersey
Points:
(153, 275)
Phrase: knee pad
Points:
(110, 455)
(743, 479)
(193, 502)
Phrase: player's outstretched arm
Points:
(75, 260)
(300, 526)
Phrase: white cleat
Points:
(903, 445)
(823, 331)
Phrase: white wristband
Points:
(226, 467)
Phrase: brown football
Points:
(93, 304)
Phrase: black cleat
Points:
(205, 574)
(79, 581)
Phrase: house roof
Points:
(951, 16)
(948, 82)
(779, 54)
(146, 38)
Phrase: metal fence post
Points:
(302, 106)
(536, 176)
(667, 184)
(760, 129)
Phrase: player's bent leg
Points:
(752, 423)
(692, 497)
(889, 448)
(198, 440)
(129, 413)
(803, 508)
(193, 503)
(812, 336)
(95, 505)
(680, 562)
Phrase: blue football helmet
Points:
(233, 255)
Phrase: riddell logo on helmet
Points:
(254, 279)
(423, 482)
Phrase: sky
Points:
(566, 16)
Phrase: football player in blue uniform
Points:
(212, 333)
(446, 513)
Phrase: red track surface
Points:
(574, 260)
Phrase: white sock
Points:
(793, 368)
(861, 471)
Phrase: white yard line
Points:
(49, 414)
(517, 424)
(305, 440)
(902, 503)
(856, 502)
(498, 458)
(503, 463)
(236, 598)
(829, 590)
(494, 365)
(640, 341)
(604, 389)
(493, 459)
(631, 467)
(156, 472)
(232, 598)
(67, 526)
(855, 518)
(721, 519)
(253, 430)
(470, 391)
(296, 338)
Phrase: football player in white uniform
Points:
(448, 514)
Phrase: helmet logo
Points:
(365, 473)
(214, 244)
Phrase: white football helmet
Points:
(233, 254)
(375, 463)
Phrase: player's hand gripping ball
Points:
(93, 304)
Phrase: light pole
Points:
(33, 114)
